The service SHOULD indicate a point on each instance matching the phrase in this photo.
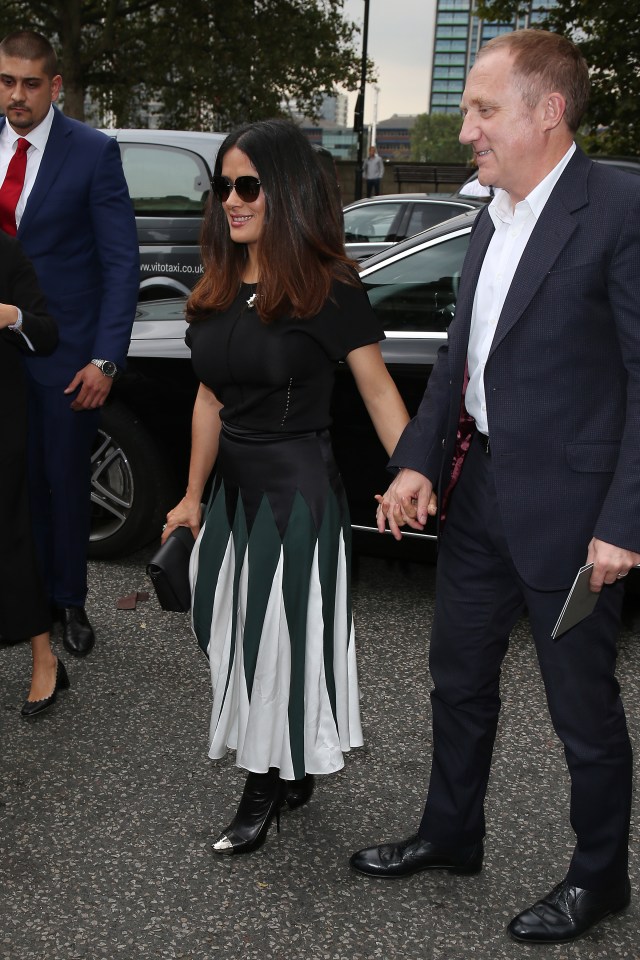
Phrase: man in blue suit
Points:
(529, 426)
(75, 221)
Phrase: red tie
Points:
(12, 187)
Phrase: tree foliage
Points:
(434, 139)
(608, 35)
(203, 64)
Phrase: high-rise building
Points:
(459, 34)
(335, 108)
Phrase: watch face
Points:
(109, 368)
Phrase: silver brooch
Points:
(251, 302)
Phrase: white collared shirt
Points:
(38, 139)
(513, 228)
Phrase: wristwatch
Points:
(107, 367)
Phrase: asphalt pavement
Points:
(108, 805)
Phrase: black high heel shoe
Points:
(31, 708)
(260, 803)
(298, 792)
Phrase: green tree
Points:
(434, 139)
(87, 35)
(608, 35)
(207, 63)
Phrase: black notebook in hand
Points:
(579, 604)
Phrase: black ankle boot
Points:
(261, 800)
(298, 792)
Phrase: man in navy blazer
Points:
(76, 223)
(530, 427)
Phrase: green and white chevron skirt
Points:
(272, 605)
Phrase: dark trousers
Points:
(373, 187)
(479, 598)
(60, 442)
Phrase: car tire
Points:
(131, 488)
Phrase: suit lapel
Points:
(550, 236)
(53, 158)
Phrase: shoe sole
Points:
(464, 871)
(43, 710)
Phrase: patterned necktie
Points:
(12, 187)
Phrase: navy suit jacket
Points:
(78, 229)
(562, 379)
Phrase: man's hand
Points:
(94, 388)
(409, 500)
(609, 563)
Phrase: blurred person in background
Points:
(373, 172)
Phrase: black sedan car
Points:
(373, 225)
(140, 461)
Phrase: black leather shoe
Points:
(566, 913)
(298, 792)
(77, 633)
(414, 854)
(262, 797)
(31, 708)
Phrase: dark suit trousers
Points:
(479, 598)
(60, 442)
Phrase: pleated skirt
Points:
(270, 577)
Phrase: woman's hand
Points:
(187, 513)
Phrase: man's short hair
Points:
(544, 62)
(29, 45)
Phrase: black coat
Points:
(562, 379)
(23, 607)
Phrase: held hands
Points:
(409, 500)
(185, 514)
(609, 563)
(94, 388)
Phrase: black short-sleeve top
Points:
(278, 377)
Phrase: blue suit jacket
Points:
(562, 379)
(78, 229)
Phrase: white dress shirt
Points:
(513, 228)
(38, 139)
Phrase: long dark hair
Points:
(301, 248)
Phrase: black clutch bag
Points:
(169, 571)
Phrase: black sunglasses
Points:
(247, 188)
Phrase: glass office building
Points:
(459, 33)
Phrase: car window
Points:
(371, 223)
(418, 292)
(425, 215)
(165, 181)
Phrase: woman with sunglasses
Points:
(278, 307)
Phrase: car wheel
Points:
(130, 486)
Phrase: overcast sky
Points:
(400, 44)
